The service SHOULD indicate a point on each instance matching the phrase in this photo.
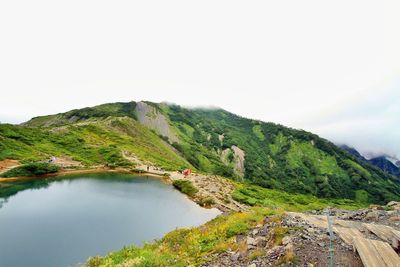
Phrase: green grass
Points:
(276, 157)
(299, 152)
(187, 246)
(186, 187)
(258, 196)
(278, 143)
(258, 132)
(31, 169)
(363, 172)
(96, 143)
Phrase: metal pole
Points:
(330, 237)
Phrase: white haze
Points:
(331, 67)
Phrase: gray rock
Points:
(251, 241)
(240, 238)
(289, 247)
(311, 230)
(286, 240)
(372, 215)
(393, 203)
(264, 230)
(261, 242)
(235, 257)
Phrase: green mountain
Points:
(209, 140)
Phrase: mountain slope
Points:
(210, 140)
(110, 141)
(382, 162)
(386, 165)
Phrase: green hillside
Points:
(212, 141)
(98, 142)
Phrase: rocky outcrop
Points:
(153, 119)
(239, 160)
(235, 156)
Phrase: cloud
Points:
(369, 122)
(280, 61)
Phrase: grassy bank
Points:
(187, 246)
(31, 169)
(186, 187)
(253, 195)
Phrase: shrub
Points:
(206, 201)
(186, 187)
(32, 169)
(361, 196)
(279, 234)
(236, 229)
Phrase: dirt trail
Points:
(8, 164)
(375, 243)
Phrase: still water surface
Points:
(63, 222)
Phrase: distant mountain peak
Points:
(387, 163)
(210, 140)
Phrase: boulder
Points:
(261, 242)
(251, 242)
(375, 214)
(286, 240)
(393, 203)
(264, 230)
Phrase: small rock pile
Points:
(312, 245)
(302, 245)
(254, 249)
(386, 215)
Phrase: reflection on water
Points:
(59, 222)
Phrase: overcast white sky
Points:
(331, 67)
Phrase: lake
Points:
(63, 221)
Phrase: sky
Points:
(330, 67)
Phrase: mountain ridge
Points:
(383, 162)
(208, 140)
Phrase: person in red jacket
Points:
(187, 172)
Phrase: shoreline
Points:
(207, 184)
(80, 171)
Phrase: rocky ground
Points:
(214, 191)
(386, 215)
(280, 240)
(291, 241)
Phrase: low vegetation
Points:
(32, 169)
(186, 187)
(285, 169)
(100, 142)
(183, 247)
(254, 195)
(276, 157)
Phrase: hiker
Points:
(187, 172)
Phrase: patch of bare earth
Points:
(214, 191)
(8, 164)
(67, 162)
(215, 188)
